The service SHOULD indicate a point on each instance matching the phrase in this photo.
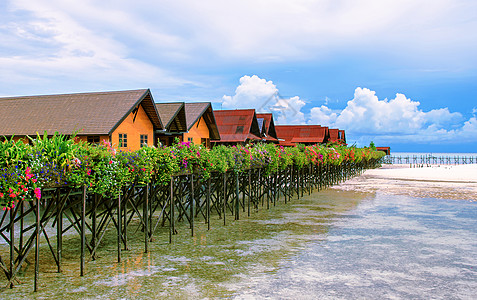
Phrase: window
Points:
(190, 140)
(143, 139)
(205, 142)
(93, 139)
(123, 140)
(239, 129)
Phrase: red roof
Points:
(343, 137)
(386, 150)
(305, 134)
(269, 126)
(237, 125)
(334, 134)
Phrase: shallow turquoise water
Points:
(333, 244)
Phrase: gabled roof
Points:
(334, 134)
(386, 150)
(237, 125)
(269, 125)
(337, 134)
(260, 126)
(194, 111)
(305, 134)
(97, 113)
(343, 136)
(173, 116)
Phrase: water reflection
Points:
(332, 245)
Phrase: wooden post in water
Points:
(37, 245)
(237, 195)
(145, 216)
(224, 193)
(207, 199)
(93, 224)
(171, 210)
(83, 229)
(249, 191)
(12, 242)
(119, 227)
(59, 228)
(192, 204)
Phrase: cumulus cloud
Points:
(365, 117)
(262, 95)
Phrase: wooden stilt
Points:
(83, 230)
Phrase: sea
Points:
(328, 245)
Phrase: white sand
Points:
(444, 181)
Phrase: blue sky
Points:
(399, 73)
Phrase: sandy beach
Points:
(436, 181)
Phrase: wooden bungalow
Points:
(201, 124)
(173, 117)
(291, 135)
(386, 150)
(342, 136)
(238, 126)
(337, 135)
(268, 132)
(127, 119)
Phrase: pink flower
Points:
(110, 162)
(38, 193)
(28, 175)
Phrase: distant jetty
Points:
(430, 159)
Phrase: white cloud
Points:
(262, 95)
(63, 46)
(397, 120)
(364, 118)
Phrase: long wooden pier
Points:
(186, 198)
(430, 160)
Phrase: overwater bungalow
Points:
(267, 128)
(291, 135)
(337, 135)
(386, 150)
(127, 119)
(239, 126)
(201, 124)
(173, 117)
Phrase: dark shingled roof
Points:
(173, 116)
(196, 110)
(86, 113)
(237, 125)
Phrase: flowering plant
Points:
(60, 160)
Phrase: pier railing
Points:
(144, 209)
(430, 160)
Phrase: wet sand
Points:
(436, 181)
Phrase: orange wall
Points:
(133, 129)
(85, 138)
(197, 132)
